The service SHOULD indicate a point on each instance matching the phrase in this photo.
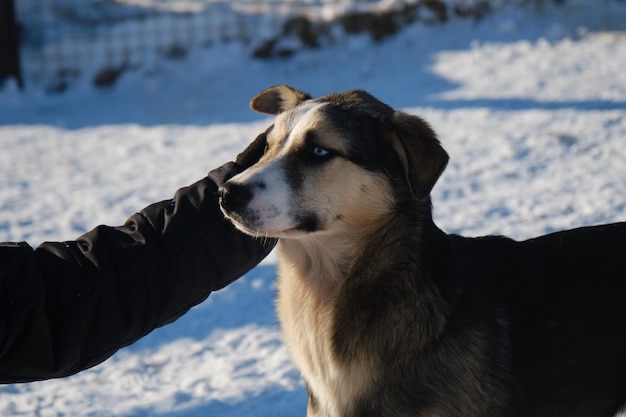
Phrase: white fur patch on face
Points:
(294, 124)
(266, 213)
(269, 212)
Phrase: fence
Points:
(63, 41)
(66, 39)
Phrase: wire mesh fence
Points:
(62, 40)
(65, 39)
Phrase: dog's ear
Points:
(277, 99)
(422, 156)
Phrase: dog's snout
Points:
(234, 196)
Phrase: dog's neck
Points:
(324, 259)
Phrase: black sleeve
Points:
(65, 307)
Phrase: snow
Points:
(530, 103)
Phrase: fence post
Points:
(9, 43)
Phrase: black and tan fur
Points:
(385, 314)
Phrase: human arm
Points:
(67, 306)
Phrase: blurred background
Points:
(54, 43)
(107, 106)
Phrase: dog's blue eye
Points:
(317, 151)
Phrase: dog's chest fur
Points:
(306, 310)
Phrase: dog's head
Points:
(335, 162)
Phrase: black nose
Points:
(233, 196)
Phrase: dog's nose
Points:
(234, 196)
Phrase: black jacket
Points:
(65, 307)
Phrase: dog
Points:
(385, 314)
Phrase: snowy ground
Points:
(530, 105)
